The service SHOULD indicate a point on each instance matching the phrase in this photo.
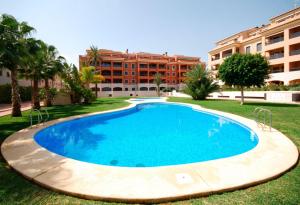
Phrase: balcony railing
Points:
(295, 34)
(275, 40)
(294, 68)
(277, 71)
(105, 65)
(276, 55)
(295, 52)
(216, 58)
(227, 55)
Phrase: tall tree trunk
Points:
(48, 101)
(158, 90)
(96, 92)
(35, 94)
(15, 96)
(242, 95)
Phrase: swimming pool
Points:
(148, 135)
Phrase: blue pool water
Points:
(148, 135)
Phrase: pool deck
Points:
(274, 155)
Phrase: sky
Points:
(183, 27)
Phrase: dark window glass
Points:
(258, 47)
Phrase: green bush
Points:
(88, 95)
(42, 93)
(199, 84)
(25, 93)
(5, 93)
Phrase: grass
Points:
(15, 189)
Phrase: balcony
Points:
(117, 73)
(275, 39)
(216, 58)
(117, 65)
(295, 66)
(143, 66)
(227, 53)
(143, 74)
(279, 68)
(105, 64)
(295, 52)
(294, 35)
(276, 56)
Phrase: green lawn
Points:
(14, 189)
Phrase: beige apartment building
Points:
(278, 41)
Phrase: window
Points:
(133, 89)
(126, 65)
(173, 73)
(133, 81)
(126, 81)
(125, 73)
(132, 73)
(258, 47)
(133, 66)
(126, 89)
(173, 67)
(248, 49)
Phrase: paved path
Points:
(5, 109)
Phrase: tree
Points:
(53, 65)
(13, 35)
(244, 70)
(87, 75)
(93, 55)
(34, 63)
(74, 83)
(199, 83)
(158, 82)
(97, 79)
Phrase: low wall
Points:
(62, 99)
(129, 94)
(268, 96)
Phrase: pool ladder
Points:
(265, 112)
(39, 116)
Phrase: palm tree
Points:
(94, 55)
(33, 69)
(158, 82)
(13, 35)
(97, 79)
(53, 65)
(199, 83)
(87, 75)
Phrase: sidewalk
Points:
(5, 109)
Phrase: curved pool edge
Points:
(274, 155)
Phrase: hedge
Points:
(5, 93)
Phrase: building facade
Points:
(278, 41)
(125, 71)
(5, 78)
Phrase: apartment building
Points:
(278, 41)
(5, 78)
(125, 71)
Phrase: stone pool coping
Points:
(274, 155)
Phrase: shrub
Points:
(199, 84)
(42, 93)
(88, 95)
(5, 93)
